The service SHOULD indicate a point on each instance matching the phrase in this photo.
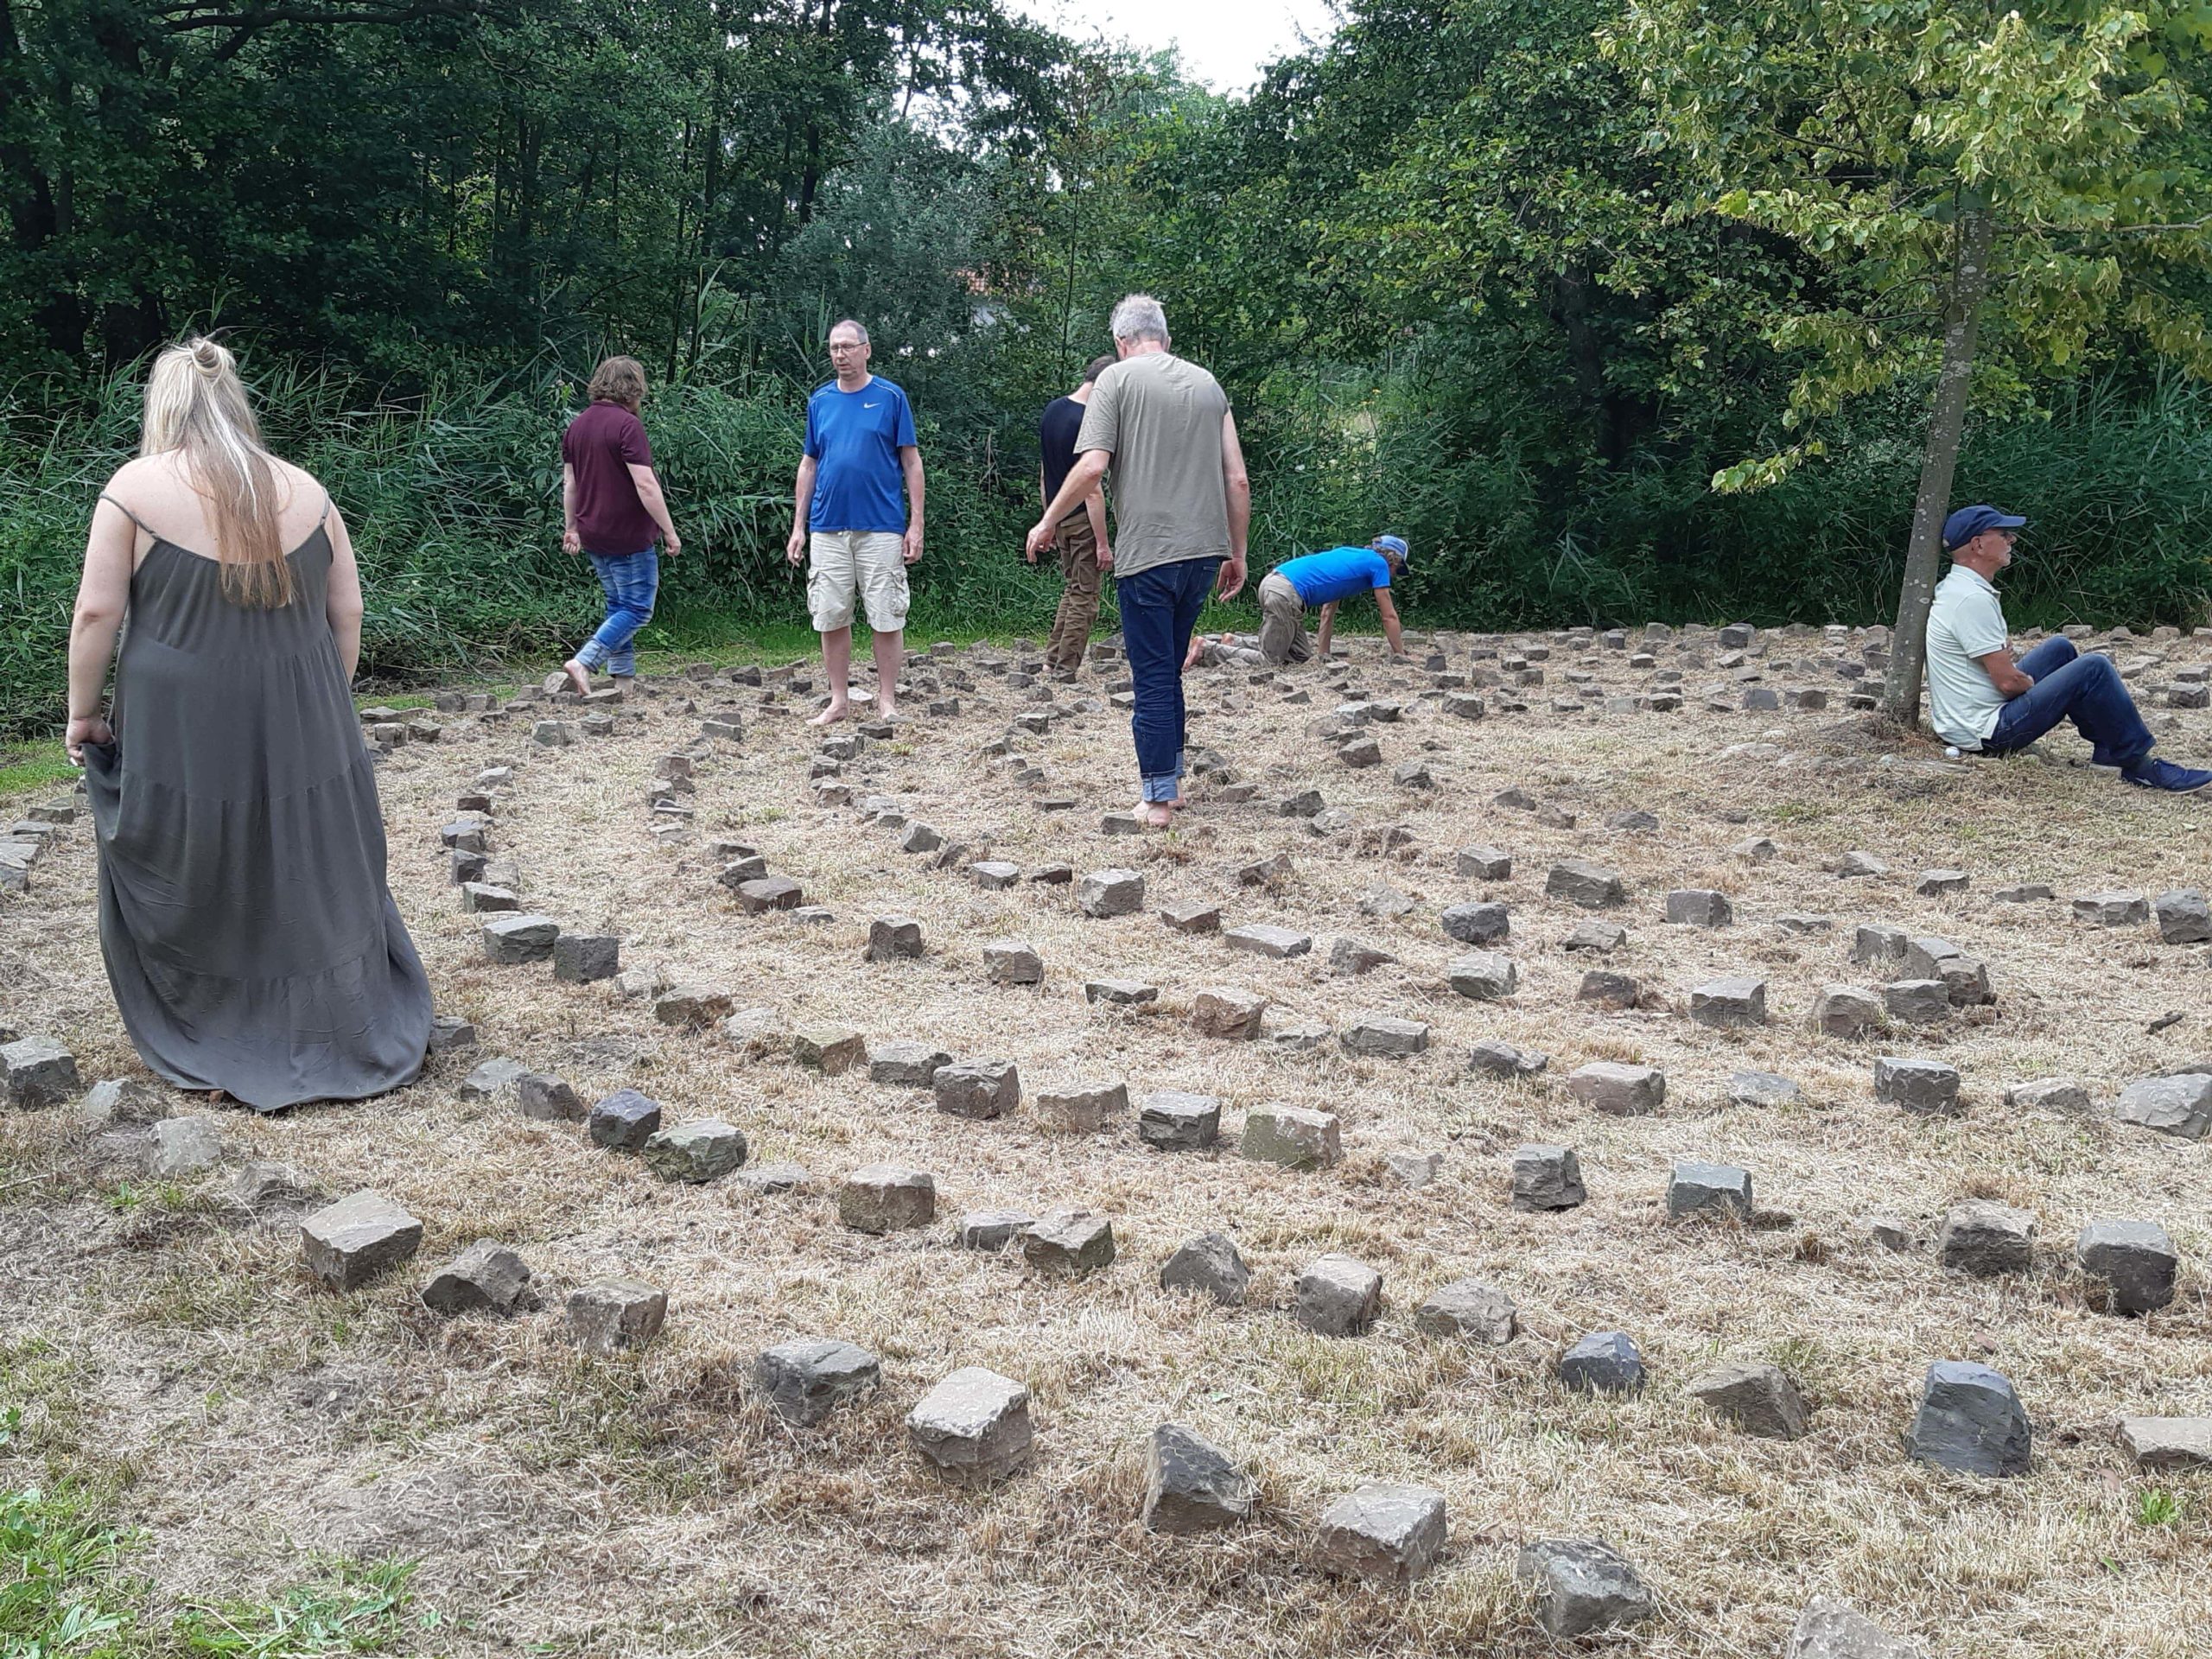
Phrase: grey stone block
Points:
(2111, 909)
(1226, 1011)
(1179, 1122)
(1581, 1585)
(2136, 1259)
(2168, 1442)
(831, 1050)
(1760, 1400)
(1762, 1088)
(1120, 993)
(1469, 1308)
(1337, 1296)
(1483, 864)
(1918, 1086)
(1847, 1011)
(1729, 1003)
(906, 1065)
(1192, 1485)
(1970, 1420)
(1695, 1187)
(1481, 923)
(517, 938)
(1082, 1108)
(991, 1230)
(581, 958)
(695, 1152)
(1546, 1178)
(1262, 940)
(892, 938)
(38, 1071)
(184, 1146)
(886, 1198)
(1291, 1136)
(1382, 1532)
(2180, 1106)
(1385, 1036)
(1482, 976)
(609, 1315)
(2183, 916)
(803, 1381)
(1836, 1630)
(624, 1122)
(1603, 1362)
(973, 1428)
(978, 1089)
(1581, 882)
(1616, 1090)
(1104, 893)
(2049, 1094)
(1494, 1058)
(1208, 1263)
(1917, 1002)
(347, 1244)
(486, 1277)
(1700, 908)
(1987, 1239)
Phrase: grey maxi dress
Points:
(250, 937)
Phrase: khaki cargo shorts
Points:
(1282, 622)
(871, 563)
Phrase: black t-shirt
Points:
(1056, 435)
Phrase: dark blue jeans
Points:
(632, 582)
(2086, 690)
(1160, 606)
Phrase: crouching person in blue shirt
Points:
(1327, 580)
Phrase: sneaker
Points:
(2163, 774)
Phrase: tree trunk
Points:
(1946, 420)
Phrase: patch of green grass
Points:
(354, 1610)
(34, 766)
(2156, 1507)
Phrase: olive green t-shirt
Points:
(1159, 418)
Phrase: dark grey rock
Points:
(1264, 940)
(1917, 1002)
(347, 1244)
(1581, 882)
(1337, 1296)
(1105, 894)
(511, 939)
(978, 1089)
(1120, 993)
(1760, 1400)
(894, 938)
(1729, 1003)
(1596, 938)
(1603, 1362)
(2183, 916)
(486, 1277)
(1986, 1239)
(1192, 1485)
(1208, 1263)
(1919, 1086)
(1013, 962)
(2049, 1094)
(1762, 1088)
(1836, 1630)
(1700, 908)
(1194, 917)
(265, 1188)
(1581, 1585)
(1546, 1178)
(624, 1121)
(803, 1381)
(993, 1229)
(1616, 1090)
(1069, 1243)
(1227, 1011)
(2136, 1259)
(1608, 990)
(1483, 864)
(695, 1152)
(906, 1065)
(1291, 1136)
(2178, 1105)
(1385, 1036)
(38, 1071)
(693, 1008)
(1350, 956)
(1482, 924)
(580, 958)
(1848, 1011)
(1878, 946)
(184, 1146)
(1082, 1108)
(1482, 976)
(1718, 1188)
(1495, 1058)
(1970, 1420)
(2111, 909)
(1179, 1122)
(549, 1100)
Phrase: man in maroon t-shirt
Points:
(613, 510)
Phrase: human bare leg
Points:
(837, 668)
(890, 657)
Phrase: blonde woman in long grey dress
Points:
(251, 943)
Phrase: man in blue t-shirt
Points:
(1326, 580)
(847, 520)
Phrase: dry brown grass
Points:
(645, 1506)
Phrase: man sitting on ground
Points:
(1326, 580)
(1978, 698)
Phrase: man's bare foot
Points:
(834, 712)
(579, 677)
(1154, 815)
(887, 708)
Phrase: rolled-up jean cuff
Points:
(591, 653)
(1160, 789)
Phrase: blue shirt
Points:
(1321, 578)
(856, 437)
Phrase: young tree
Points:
(1988, 186)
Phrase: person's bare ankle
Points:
(579, 677)
(834, 711)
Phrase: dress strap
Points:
(324, 519)
(127, 513)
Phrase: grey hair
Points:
(1139, 317)
(853, 323)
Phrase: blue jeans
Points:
(631, 580)
(2086, 690)
(1160, 606)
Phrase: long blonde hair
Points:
(196, 408)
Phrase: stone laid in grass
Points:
(2135, 1260)
(886, 1197)
(1582, 1586)
(766, 892)
(1725, 1003)
(1923, 1087)
(1265, 940)
(1546, 1178)
(831, 1050)
(973, 1428)
(2183, 916)
(624, 1122)
(486, 1277)
(1836, 1630)
(1480, 923)
(2178, 1105)
(1385, 1036)
(1700, 908)
(1470, 1309)
(1618, 1089)
(610, 1315)
(1482, 976)
(1847, 1011)
(1208, 1263)
(1382, 1532)
(906, 1065)
(803, 1381)
(350, 1242)
(2168, 1442)
(1069, 1244)
(1603, 1362)
(1227, 1011)
(1082, 1108)
(978, 1089)
(892, 938)
(581, 958)
(1762, 1088)
(1483, 864)
(1123, 992)
(1105, 894)
(509, 939)
(1194, 917)
(1292, 1136)
(1337, 1296)
(1013, 962)
(1494, 1058)
(1970, 1420)
(1192, 1485)
(1178, 1121)
(1581, 882)
(693, 1008)
(184, 1146)
(1698, 1188)
(992, 1230)
(1759, 1399)
(695, 1152)
(2111, 909)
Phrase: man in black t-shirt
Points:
(1079, 538)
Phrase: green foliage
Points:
(2157, 1507)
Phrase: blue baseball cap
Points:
(1967, 523)
(1393, 545)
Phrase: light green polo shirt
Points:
(1964, 622)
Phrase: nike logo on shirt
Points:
(871, 405)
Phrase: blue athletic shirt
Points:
(856, 437)
(1337, 574)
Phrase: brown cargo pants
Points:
(1078, 609)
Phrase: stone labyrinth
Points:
(1569, 1136)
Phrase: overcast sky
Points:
(1225, 42)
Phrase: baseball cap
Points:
(1393, 545)
(1967, 523)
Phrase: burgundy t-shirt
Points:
(601, 445)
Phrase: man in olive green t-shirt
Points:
(1161, 427)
